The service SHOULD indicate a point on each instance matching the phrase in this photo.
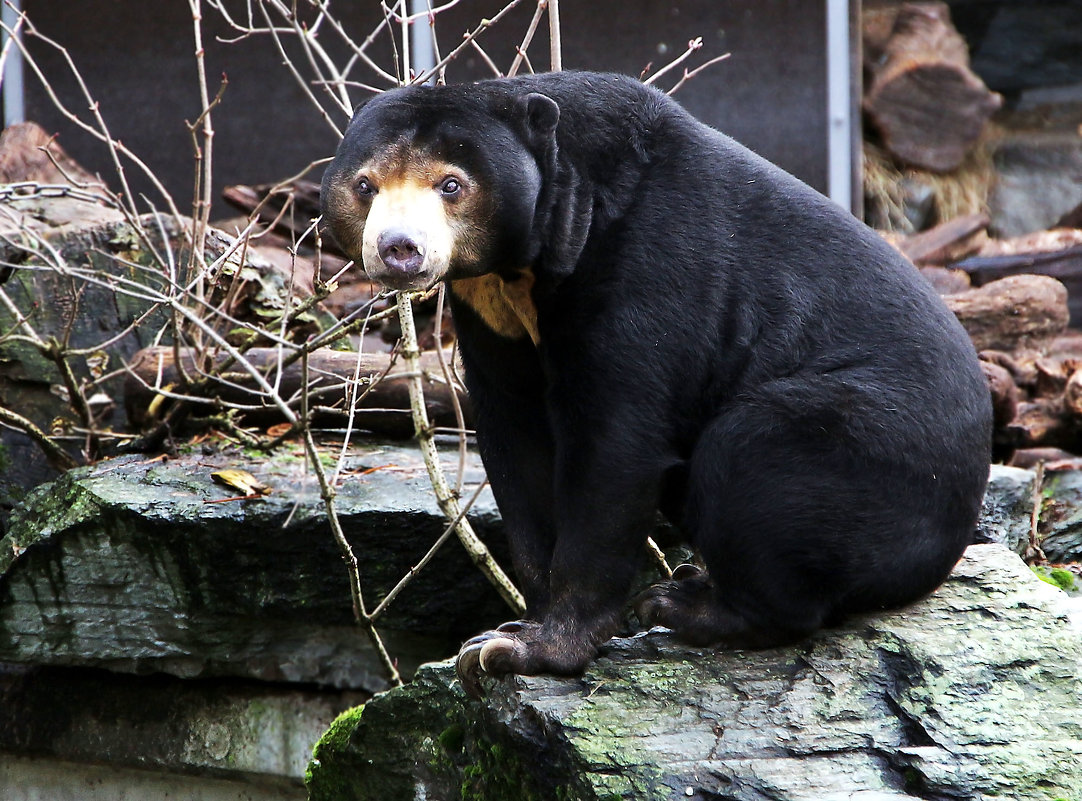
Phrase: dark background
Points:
(137, 60)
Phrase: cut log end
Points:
(926, 103)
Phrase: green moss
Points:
(452, 739)
(329, 776)
(1064, 578)
(46, 510)
(1056, 576)
(498, 773)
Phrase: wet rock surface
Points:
(136, 565)
(1006, 509)
(970, 693)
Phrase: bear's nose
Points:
(401, 250)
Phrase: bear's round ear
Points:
(538, 114)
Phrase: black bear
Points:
(651, 317)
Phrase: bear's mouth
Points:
(400, 280)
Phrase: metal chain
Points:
(24, 190)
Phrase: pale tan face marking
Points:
(412, 205)
(406, 183)
(407, 196)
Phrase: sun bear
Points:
(653, 318)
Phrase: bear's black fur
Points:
(698, 332)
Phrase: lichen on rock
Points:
(971, 693)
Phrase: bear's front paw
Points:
(523, 647)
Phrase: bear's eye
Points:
(450, 187)
(364, 187)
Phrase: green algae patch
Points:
(330, 772)
(47, 510)
(1057, 576)
(427, 740)
(359, 757)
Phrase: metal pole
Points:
(839, 105)
(422, 44)
(12, 79)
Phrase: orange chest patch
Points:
(505, 306)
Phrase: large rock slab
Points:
(971, 693)
(135, 566)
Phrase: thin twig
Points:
(481, 27)
(327, 493)
(520, 51)
(417, 568)
(1034, 552)
(687, 76)
(658, 557)
(556, 52)
(57, 456)
(693, 45)
(476, 549)
(460, 417)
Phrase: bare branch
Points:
(693, 45)
(56, 455)
(520, 51)
(444, 497)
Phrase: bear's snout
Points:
(401, 250)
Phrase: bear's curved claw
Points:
(490, 653)
(468, 668)
(669, 603)
(686, 571)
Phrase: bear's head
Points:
(440, 182)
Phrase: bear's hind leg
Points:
(698, 614)
(800, 521)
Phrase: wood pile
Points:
(1016, 298)
(288, 210)
(378, 381)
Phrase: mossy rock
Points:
(135, 565)
(971, 693)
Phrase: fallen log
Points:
(1016, 312)
(1004, 392)
(947, 242)
(271, 201)
(1043, 423)
(383, 405)
(1064, 264)
(926, 103)
(1072, 394)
